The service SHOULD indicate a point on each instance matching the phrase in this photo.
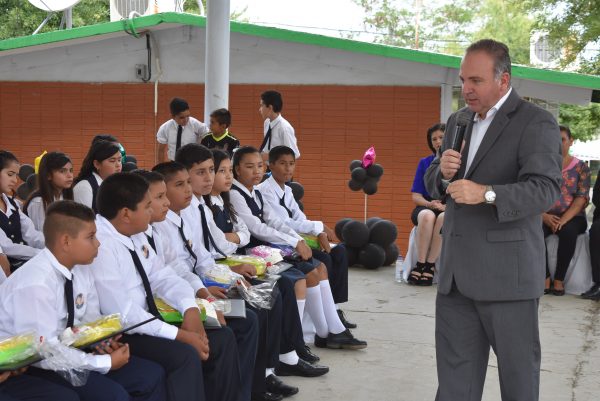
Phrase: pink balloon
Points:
(369, 157)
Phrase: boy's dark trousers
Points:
(247, 334)
(139, 379)
(30, 388)
(336, 263)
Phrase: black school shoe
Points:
(306, 354)
(592, 293)
(347, 324)
(343, 340)
(276, 386)
(266, 396)
(302, 368)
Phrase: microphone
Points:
(462, 121)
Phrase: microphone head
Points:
(463, 118)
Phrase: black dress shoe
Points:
(592, 293)
(346, 323)
(302, 368)
(266, 397)
(306, 354)
(276, 386)
(320, 342)
(344, 340)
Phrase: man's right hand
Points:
(304, 250)
(449, 163)
(195, 340)
(119, 357)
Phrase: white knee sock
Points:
(314, 305)
(333, 320)
(301, 303)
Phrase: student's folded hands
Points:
(119, 357)
(304, 250)
(199, 343)
(245, 269)
(324, 242)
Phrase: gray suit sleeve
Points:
(433, 175)
(540, 172)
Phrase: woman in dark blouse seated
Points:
(428, 215)
(567, 217)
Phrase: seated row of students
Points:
(119, 223)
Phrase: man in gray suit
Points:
(493, 264)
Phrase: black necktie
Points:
(179, 132)
(149, 297)
(208, 238)
(187, 244)
(267, 141)
(151, 242)
(70, 302)
(282, 203)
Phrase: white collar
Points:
(280, 192)
(107, 226)
(57, 265)
(174, 218)
(217, 200)
(8, 204)
(97, 177)
(149, 231)
(243, 188)
(275, 121)
(492, 112)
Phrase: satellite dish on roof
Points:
(53, 5)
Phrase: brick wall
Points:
(334, 125)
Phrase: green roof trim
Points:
(418, 56)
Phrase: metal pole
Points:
(68, 18)
(216, 78)
(366, 197)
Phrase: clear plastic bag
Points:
(269, 254)
(89, 333)
(220, 276)
(66, 361)
(278, 268)
(260, 296)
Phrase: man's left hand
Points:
(467, 192)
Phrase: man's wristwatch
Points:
(489, 195)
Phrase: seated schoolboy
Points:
(265, 226)
(128, 274)
(50, 293)
(246, 330)
(219, 137)
(282, 163)
(19, 239)
(180, 130)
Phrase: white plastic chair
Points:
(579, 274)
(410, 260)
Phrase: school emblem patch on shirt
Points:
(146, 251)
(79, 301)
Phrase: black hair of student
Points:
(566, 130)
(120, 190)
(219, 156)
(223, 116)
(168, 169)
(65, 216)
(272, 98)
(178, 105)
(151, 176)
(431, 130)
(192, 153)
(239, 155)
(278, 151)
(6, 158)
(105, 137)
(51, 162)
(99, 151)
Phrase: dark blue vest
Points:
(94, 184)
(12, 228)
(223, 220)
(256, 211)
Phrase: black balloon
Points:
(354, 164)
(372, 220)
(128, 167)
(370, 186)
(355, 234)
(371, 256)
(23, 191)
(359, 174)
(383, 233)
(297, 190)
(355, 185)
(340, 225)
(25, 171)
(352, 255)
(30, 181)
(375, 170)
(391, 254)
(130, 159)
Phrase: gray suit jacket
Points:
(497, 252)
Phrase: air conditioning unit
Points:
(542, 53)
(125, 9)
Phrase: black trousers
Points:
(595, 250)
(246, 334)
(567, 239)
(30, 388)
(337, 269)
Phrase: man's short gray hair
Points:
(498, 51)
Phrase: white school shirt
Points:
(274, 230)
(33, 299)
(120, 287)
(37, 213)
(480, 127)
(33, 237)
(228, 248)
(82, 191)
(192, 132)
(272, 194)
(193, 233)
(167, 242)
(282, 134)
(239, 227)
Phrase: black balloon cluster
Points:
(372, 244)
(364, 178)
